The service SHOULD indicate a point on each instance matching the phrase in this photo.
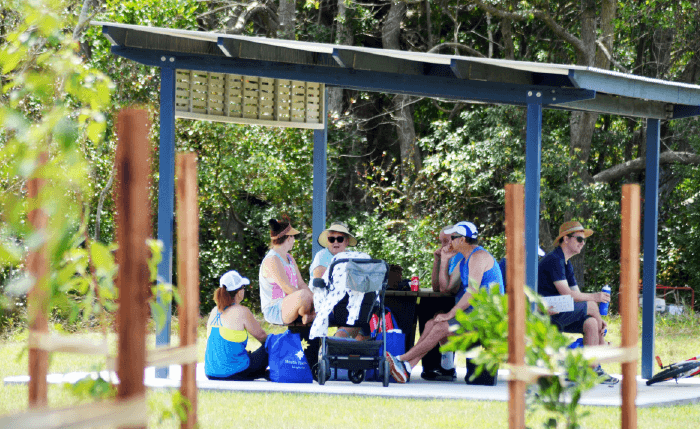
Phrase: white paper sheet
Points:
(559, 303)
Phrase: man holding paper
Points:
(556, 278)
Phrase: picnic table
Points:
(413, 309)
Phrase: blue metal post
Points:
(166, 196)
(651, 216)
(320, 172)
(533, 162)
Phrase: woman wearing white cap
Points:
(284, 296)
(228, 327)
(334, 240)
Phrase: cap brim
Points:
(452, 230)
(292, 231)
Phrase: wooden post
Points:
(629, 280)
(133, 205)
(515, 279)
(38, 297)
(188, 272)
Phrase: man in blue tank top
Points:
(478, 267)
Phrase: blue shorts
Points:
(273, 313)
(572, 321)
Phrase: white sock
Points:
(407, 366)
(447, 360)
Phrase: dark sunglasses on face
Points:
(332, 239)
(579, 239)
(454, 237)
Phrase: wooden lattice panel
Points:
(248, 100)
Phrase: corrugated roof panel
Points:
(590, 78)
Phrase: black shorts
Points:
(572, 321)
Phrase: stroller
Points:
(370, 277)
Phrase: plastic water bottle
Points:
(604, 306)
(576, 344)
(447, 361)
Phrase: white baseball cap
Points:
(465, 229)
(233, 281)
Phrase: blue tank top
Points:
(226, 354)
(492, 275)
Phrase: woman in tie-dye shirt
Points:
(284, 296)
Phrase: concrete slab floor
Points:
(686, 391)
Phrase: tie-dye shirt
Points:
(271, 292)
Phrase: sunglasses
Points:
(454, 237)
(579, 238)
(332, 239)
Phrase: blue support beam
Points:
(417, 85)
(166, 198)
(533, 162)
(651, 216)
(319, 194)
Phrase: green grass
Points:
(676, 339)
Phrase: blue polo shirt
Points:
(553, 268)
(454, 262)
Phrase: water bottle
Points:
(447, 361)
(576, 344)
(604, 306)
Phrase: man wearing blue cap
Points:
(478, 267)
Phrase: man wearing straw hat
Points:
(555, 276)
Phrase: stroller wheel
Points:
(357, 376)
(322, 367)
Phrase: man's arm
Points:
(564, 289)
(455, 281)
(435, 275)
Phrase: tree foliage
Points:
(466, 152)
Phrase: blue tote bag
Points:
(287, 361)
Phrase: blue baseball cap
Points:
(465, 229)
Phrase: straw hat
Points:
(570, 227)
(337, 227)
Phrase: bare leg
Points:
(300, 303)
(591, 332)
(432, 335)
(347, 332)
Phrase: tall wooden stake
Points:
(38, 297)
(629, 281)
(133, 280)
(515, 279)
(188, 272)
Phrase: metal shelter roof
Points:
(401, 72)
(471, 79)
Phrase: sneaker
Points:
(398, 369)
(439, 374)
(606, 378)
